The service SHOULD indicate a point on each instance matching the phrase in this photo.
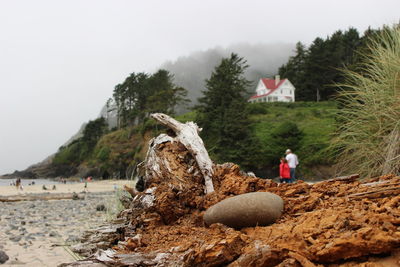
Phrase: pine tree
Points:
(222, 113)
(315, 71)
(294, 70)
(141, 94)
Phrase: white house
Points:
(273, 90)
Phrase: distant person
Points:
(17, 183)
(284, 172)
(54, 187)
(293, 161)
(44, 187)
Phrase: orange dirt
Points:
(343, 222)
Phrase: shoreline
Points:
(92, 187)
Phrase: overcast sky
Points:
(60, 60)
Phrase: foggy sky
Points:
(60, 60)
(263, 60)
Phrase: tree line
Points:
(142, 94)
(316, 70)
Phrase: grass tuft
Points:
(368, 137)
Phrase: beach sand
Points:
(94, 186)
(32, 232)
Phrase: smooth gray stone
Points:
(246, 210)
(15, 238)
(3, 257)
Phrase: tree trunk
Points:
(187, 134)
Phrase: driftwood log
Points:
(188, 135)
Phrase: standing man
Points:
(293, 161)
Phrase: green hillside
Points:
(117, 152)
(315, 120)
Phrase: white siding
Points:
(285, 93)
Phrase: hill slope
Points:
(117, 152)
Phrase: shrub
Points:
(286, 135)
(256, 108)
(103, 154)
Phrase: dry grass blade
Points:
(368, 139)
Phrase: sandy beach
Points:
(33, 233)
(94, 186)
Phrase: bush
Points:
(103, 154)
(256, 108)
(286, 135)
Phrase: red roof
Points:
(269, 84)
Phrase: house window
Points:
(290, 91)
(275, 98)
(281, 91)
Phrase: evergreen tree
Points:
(164, 96)
(222, 113)
(286, 135)
(294, 70)
(141, 94)
(315, 71)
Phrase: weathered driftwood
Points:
(187, 134)
(383, 192)
(348, 178)
(45, 196)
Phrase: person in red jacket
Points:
(284, 171)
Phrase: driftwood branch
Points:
(348, 178)
(384, 192)
(187, 134)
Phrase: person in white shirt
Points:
(293, 161)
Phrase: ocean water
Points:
(26, 182)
